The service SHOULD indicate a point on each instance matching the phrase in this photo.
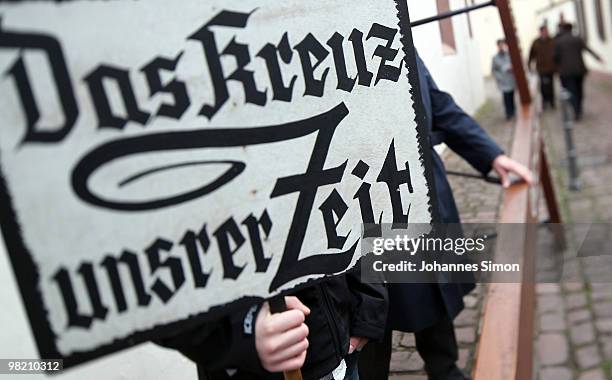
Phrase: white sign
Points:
(162, 162)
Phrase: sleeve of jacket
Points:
(532, 55)
(228, 343)
(369, 305)
(461, 132)
(589, 50)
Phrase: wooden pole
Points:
(278, 305)
(505, 349)
(554, 214)
(507, 20)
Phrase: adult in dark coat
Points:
(428, 309)
(542, 53)
(569, 51)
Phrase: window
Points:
(582, 24)
(599, 16)
(446, 29)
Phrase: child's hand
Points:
(356, 344)
(281, 339)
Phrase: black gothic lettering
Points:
(308, 47)
(334, 205)
(253, 226)
(344, 82)
(363, 193)
(306, 185)
(75, 318)
(63, 84)
(173, 264)
(111, 264)
(386, 54)
(176, 88)
(169, 141)
(393, 178)
(365, 77)
(106, 117)
(228, 235)
(213, 58)
(270, 54)
(191, 241)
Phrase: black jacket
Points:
(568, 55)
(340, 307)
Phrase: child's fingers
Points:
(289, 352)
(293, 303)
(290, 365)
(285, 340)
(280, 322)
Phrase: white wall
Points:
(604, 49)
(459, 74)
(552, 16)
(488, 28)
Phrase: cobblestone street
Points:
(574, 319)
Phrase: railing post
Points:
(507, 20)
(505, 350)
(568, 128)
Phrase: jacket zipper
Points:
(332, 322)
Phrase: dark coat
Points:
(340, 307)
(569, 51)
(414, 307)
(543, 53)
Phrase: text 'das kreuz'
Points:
(315, 55)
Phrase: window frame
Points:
(599, 19)
(447, 29)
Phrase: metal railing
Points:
(505, 345)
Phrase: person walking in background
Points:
(502, 71)
(543, 54)
(560, 25)
(570, 62)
